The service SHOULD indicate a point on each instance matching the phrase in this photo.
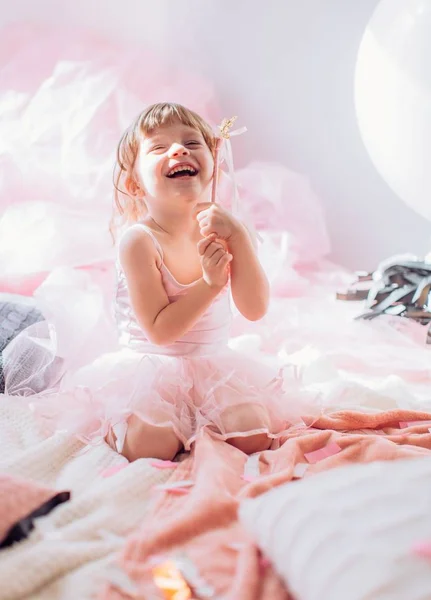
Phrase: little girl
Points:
(180, 261)
(177, 265)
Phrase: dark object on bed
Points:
(22, 529)
(16, 313)
(400, 288)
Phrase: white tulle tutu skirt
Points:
(232, 394)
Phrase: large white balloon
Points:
(393, 97)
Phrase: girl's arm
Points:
(250, 287)
(164, 322)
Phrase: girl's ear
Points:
(133, 187)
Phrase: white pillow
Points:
(349, 533)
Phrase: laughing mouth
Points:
(182, 171)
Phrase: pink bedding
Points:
(201, 520)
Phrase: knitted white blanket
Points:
(70, 553)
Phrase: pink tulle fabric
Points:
(231, 394)
(65, 98)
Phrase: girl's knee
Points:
(243, 418)
(144, 440)
(251, 443)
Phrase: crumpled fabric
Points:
(66, 96)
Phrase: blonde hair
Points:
(127, 208)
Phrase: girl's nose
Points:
(178, 150)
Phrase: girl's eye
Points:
(192, 142)
(157, 148)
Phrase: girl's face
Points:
(175, 165)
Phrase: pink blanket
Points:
(200, 521)
(23, 500)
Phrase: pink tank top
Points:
(207, 335)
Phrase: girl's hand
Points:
(215, 262)
(215, 220)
